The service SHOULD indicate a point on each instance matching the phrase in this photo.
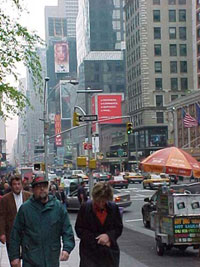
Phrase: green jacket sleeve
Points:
(16, 235)
(67, 232)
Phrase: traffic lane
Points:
(141, 248)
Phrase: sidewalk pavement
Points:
(72, 262)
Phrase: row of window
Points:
(172, 33)
(172, 2)
(172, 50)
(173, 66)
(174, 84)
(172, 15)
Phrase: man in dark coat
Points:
(10, 204)
(39, 226)
(98, 226)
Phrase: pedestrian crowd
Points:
(35, 226)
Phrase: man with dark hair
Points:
(82, 194)
(38, 228)
(10, 204)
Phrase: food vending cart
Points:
(177, 219)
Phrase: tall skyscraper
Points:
(159, 60)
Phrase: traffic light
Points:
(75, 119)
(129, 127)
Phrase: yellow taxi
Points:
(133, 177)
(154, 181)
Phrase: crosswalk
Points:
(138, 194)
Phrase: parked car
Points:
(133, 177)
(122, 199)
(147, 208)
(118, 181)
(153, 181)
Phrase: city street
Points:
(137, 243)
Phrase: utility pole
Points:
(46, 124)
(88, 93)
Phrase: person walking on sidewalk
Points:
(98, 225)
(82, 194)
(10, 204)
(39, 226)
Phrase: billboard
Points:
(61, 57)
(107, 106)
(65, 103)
(58, 138)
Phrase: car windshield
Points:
(118, 178)
(155, 176)
(78, 172)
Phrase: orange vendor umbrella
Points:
(171, 160)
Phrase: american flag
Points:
(188, 121)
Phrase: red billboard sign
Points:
(109, 106)
(58, 138)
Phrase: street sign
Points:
(83, 118)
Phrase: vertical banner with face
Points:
(61, 56)
(58, 138)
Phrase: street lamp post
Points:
(46, 123)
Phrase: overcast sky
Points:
(34, 21)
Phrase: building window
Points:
(174, 84)
(182, 33)
(157, 33)
(184, 84)
(157, 50)
(156, 15)
(158, 67)
(156, 2)
(158, 84)
(182, 15)
(172, 2)
(198, 16)
(173, 66)
(174, 97)
(173, 50)
(172, 15)
(182, 2)
(159, 101)
(183, 50)
(172, 33)
(198, 33)
(159, 117)
(198, 64)
(183, 66)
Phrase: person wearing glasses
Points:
(40, 225)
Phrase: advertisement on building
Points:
(61, 56)
(58, 138)
(65, 103)
(107, 106)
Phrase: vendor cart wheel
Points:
(159, 248)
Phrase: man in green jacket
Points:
(39, 226)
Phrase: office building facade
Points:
(159, 61)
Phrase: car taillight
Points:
(117, 199)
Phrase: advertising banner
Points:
(109, 106)
(65, 103)
(61, 57)
(58, 139)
